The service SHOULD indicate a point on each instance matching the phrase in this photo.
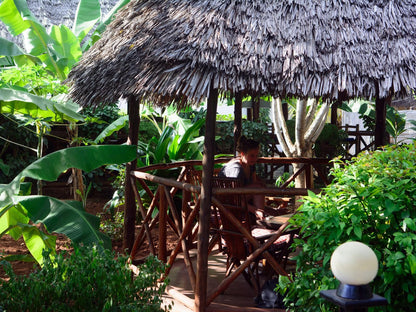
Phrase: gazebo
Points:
(185, 51)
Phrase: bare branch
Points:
(318, 123)
(300, 126)
(280, 126)
(312, 104)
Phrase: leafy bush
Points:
(329, 143)
(372, 200)
(98, 119)
(86, 280)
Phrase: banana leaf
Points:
(20, 102)
(66, 217)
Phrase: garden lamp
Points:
(355, 265)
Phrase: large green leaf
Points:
(11, 216)
(101, 27)
(68, 218)
(66, 45)
(11, 17)
(86, 158)
(88, 13)
(58, 216)
(111, 128)
(36, 241)
(8, 48)
(19, 102)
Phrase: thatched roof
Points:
(174, 49)
(405, 103)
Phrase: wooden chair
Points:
(236, 246)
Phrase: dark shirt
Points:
(234, 169)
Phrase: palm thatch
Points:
(165, 50)
(406, 103)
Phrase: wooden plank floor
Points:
(239, 296)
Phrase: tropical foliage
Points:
(178, 138)
(58, 48)
(372, 200)
(17, 208)
(44, 63)
(89, 279)
(395, 121)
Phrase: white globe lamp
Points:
(355, 265)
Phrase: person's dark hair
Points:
(244, 144)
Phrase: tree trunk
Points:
(309, 124)
(237, 119)
(77, 179)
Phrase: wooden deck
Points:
(239, 296)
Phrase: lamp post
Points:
(355, 265)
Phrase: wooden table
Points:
(276, 222)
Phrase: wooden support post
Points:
(285, 110)
(130, 206)
(380, 130)
(237, 119)
(256, 109)
(334, 112)
(162, 226)
(206, 193)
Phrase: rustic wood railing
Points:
(356, 142)
(183, 220)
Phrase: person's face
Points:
(250, 158)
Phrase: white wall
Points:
(409, 134)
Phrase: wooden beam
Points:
(380, 129)
(206, 193)
(285, 110)
(162, 252)
(237, 119)
(334, 112)
(256, 109)
(130, 202)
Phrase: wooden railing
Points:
(183, 220)
(356, 142)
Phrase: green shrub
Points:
(14, 156)
(89, 279)
(98, 119)
(330, 142)
(373, 200)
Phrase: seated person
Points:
(243, 168)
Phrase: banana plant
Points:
(17, 208)
(59, 48)
(178, 139)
